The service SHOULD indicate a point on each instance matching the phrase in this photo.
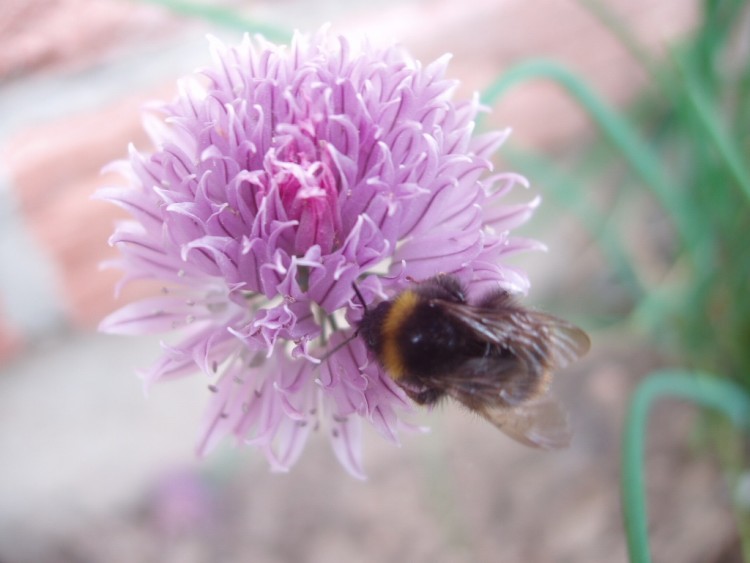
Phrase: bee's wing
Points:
(543, 342)
(493, 381)
(508, 385)
(541, 423)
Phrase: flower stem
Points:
(635, 150)
(714, 129)
(702, 389)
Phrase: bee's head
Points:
(371, 326)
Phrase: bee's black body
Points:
(493, 356)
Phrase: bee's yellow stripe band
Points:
(401, 309)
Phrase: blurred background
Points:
(90, 470)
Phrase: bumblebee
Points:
(493, 356)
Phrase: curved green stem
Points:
(702, 389)
(598, 223)
(615, 127)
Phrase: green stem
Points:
(645, 163)
(714, 129)
(598, 223)
(702, 389)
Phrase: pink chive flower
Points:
(280, 176)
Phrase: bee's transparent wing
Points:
(544, 342)
(508, 385)
(542, 423)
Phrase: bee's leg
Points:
(428, 397)
(488, 348)
(442, 286)
(451, 286)
(496, 300)
(421, 394)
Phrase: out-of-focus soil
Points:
(462, 493)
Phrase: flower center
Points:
(307, 182)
